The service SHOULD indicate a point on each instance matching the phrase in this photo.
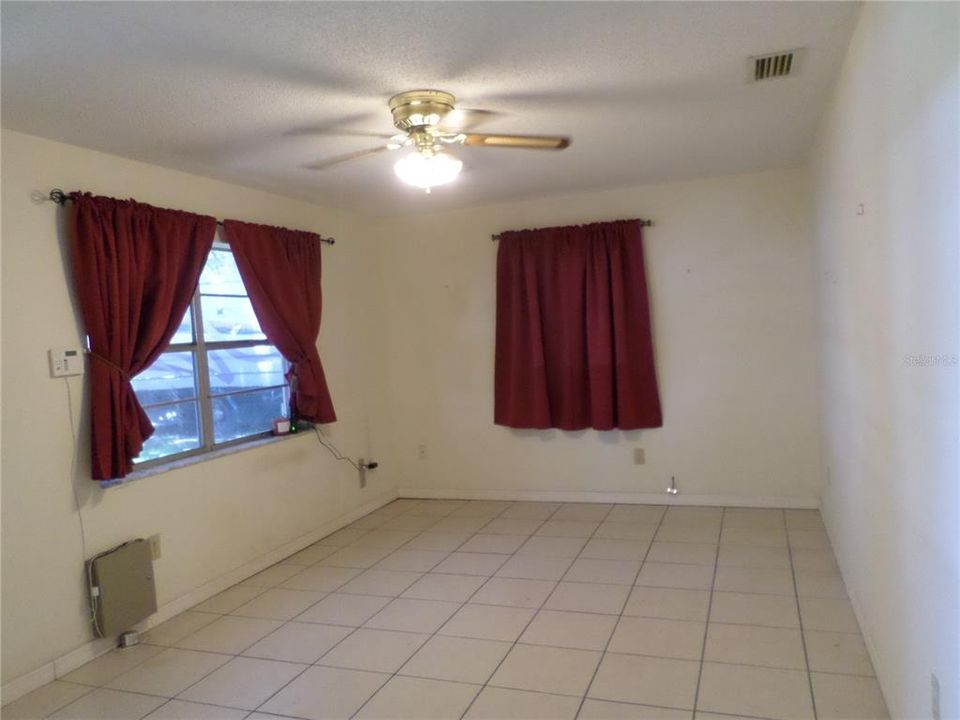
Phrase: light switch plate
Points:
(65, 362)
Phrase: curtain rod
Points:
(643, 223)
(61, 198)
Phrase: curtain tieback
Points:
(110, 364)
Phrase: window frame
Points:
(199, 349)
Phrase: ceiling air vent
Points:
(774, 65)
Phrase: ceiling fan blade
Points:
(308, 131)
(533, 142)
(330, 162)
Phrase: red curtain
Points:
(281, 271)
(135, 268)
(574, 346)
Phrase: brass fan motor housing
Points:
(420, 108)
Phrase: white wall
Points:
(730, 270)
(888, 293)
(213, 517)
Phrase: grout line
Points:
(706, 627)
(803, 637)
(623, 607)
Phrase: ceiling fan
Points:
(419, 116)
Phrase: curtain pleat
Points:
(574, 344)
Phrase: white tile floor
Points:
(450, 609)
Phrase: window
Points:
(220, 381)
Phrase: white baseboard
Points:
(18, 687)
(793, 503)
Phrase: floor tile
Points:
(229, 634)
(512, 526)
(820, 584)
(505, 544)
(495, 703)
(355, 557)
(808, 539)
(467, 525)
(771, 581)
(567, 528)
(102, 704)
(344, 536)
(561, 547)
(386, 539)
(804, 519)
(457, 659)
(547, 669)
(820, 561)
(411, 560)
(230, 599)
(646, 680)
(279, 604)
(298, 642)
(482, 508)
(271, 577)
(169, 673)
(320, 578)
(830, 614)
(683, 552)
(374, 650)
(442, 541)
(113, 664)
(461, 563)
(389, 583)
(625, 531)
(677, 639)
(178, 627)
(668, 603)
(411, 615)
(846, 697)
(610, 572)
(243, 683)
(588, 597)
(344, 609)
(688, 534)
(843, 653)
(44, 700)
(590, 512)
(514, 592)
(755, 645)
(607, 710)
(755, 691)
(310, 555)
(530, 510)
(753, 609)
(531, 567)
(489, 622)
(418, 523)
(754, 556)
(609, 549)
(757, 537)
(407, 697)
(637, 514)
(689, 577)
(183, 710)
(326, 693)
(582, 631)
(438, 586)
(753, 518)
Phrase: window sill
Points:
(204, 457)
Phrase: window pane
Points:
(220, 275)
(242, 368)
(237, 416)
(184, 333)
(229, 318)
(177, 429)
(171, 377)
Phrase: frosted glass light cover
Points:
(426, 171)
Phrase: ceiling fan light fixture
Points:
(426, 171)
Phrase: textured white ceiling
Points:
(649, 91)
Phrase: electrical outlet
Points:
(422, 452)
(639, 457)
(154, 541)
(934, 697)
